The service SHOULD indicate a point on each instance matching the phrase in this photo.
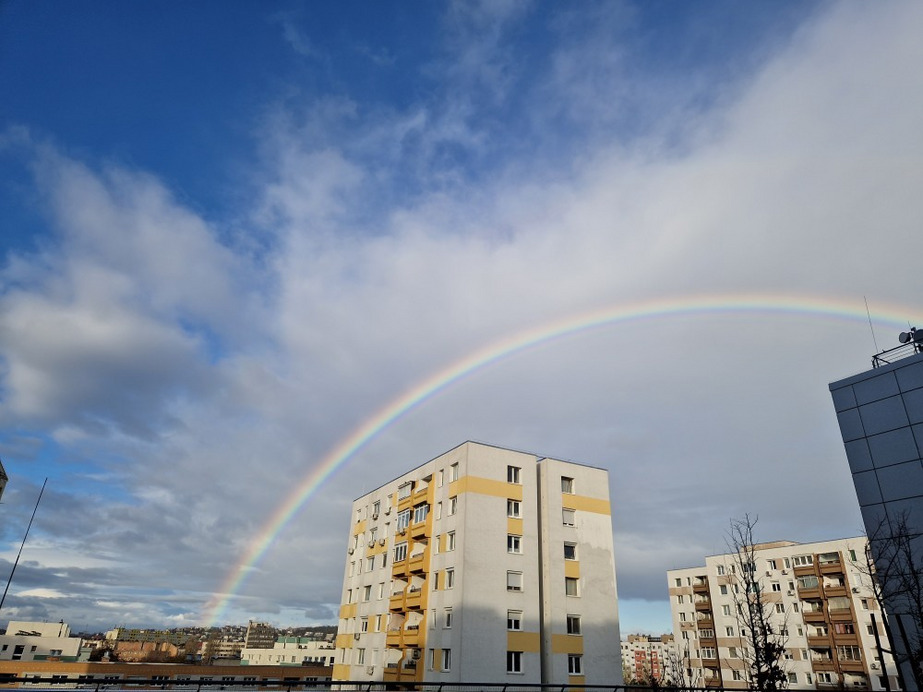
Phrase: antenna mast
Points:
(22, 545)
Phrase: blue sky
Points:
(233, 231)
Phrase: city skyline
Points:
(245, 250)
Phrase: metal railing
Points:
(56, 684)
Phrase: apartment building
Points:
(821, 603)
(646, 658)
(880, 413)
(483, 563)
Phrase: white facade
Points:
(290, 651)
(483, 563)
(35, 641)
(820, 597)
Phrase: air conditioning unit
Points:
(415, 654)
(372, 543)
(381, 541)
(387, 511)
(874, 666)
(855, 590)
(370, 670)
(375, 516)
(768, 573)
(790, 593)
(356, 636)
(402, 531)
(784, 571)
(351, 551)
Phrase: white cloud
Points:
(209, 383)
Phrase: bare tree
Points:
(763, 654)
(895, 574)
(678, 673)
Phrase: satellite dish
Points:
(905, 337)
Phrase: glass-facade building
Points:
(880, 413)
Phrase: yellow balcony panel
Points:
(514, 526)
(413, 599)
(566, 644)
(341, 671)
(530, 642)
(396, 602)
(411, 637)
(348, 610)
(572, 568)
(394, 638)
(344, 641)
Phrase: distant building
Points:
(822, 603)
(38, 641)
(645, 658)
(260, 635)
(482, 564)
(123, 634)
(880, 413)
(291, 651)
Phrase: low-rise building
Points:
(291, 651)
(38, 641)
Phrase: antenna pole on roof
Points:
(22, 545)
(867, 312)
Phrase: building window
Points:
(449, 578)
(364, 624)
(724, 589)
(376, 508)
(420, 512)
(514, 620)
(570, 551)
(514, 581)
(446, 660)
(453, 505)
(512, 474)
(367, 593)
(570, 586)
(439, 510)
(360, 656)
(680, 599)
(400, 552)
(720, 570)
(568, 516)
(448, 619)
(453, 472)
(450, 541)
(404, 490)
(440, 478)
(435, 581)
(776, 586)
(370, 563)
(513, 544)
(567, 485)
(514, 661)
(437, 539)
(726, 610)
(378, 623)
(573, 624)
(574, 664)
(772, 564)
(403, 519)
(678, 581)
(729, 631)
(513, 509)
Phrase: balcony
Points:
(819, 640)
(394, 638)
(700, 585)
(412, 636)
(703, 605)
(708, 641)
(849, 665)
(417, 563)
(419, 531)
(414, 599)
(705, 622)
(836, 590)
(803, 570)
(396, 602)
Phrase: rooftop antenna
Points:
(22, 545)
(867, 312)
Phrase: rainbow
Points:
(892, 316)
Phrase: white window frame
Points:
(513, 544)
(514, 509)
(514, 662)
(568, 516)
(514, 620)
(514, 581)
(573, 550)
(567, 485)
(574, 664)
(568, 581)
(514, 475)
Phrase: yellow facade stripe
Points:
(344, 641)
(587, 504)
(359, 527)
(485, 486)
(572, 569)
(576, 680)
(341, 671)
(514, 526)
(348, 610)
(566, 644)
(530, 642)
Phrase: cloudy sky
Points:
(233, 232)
